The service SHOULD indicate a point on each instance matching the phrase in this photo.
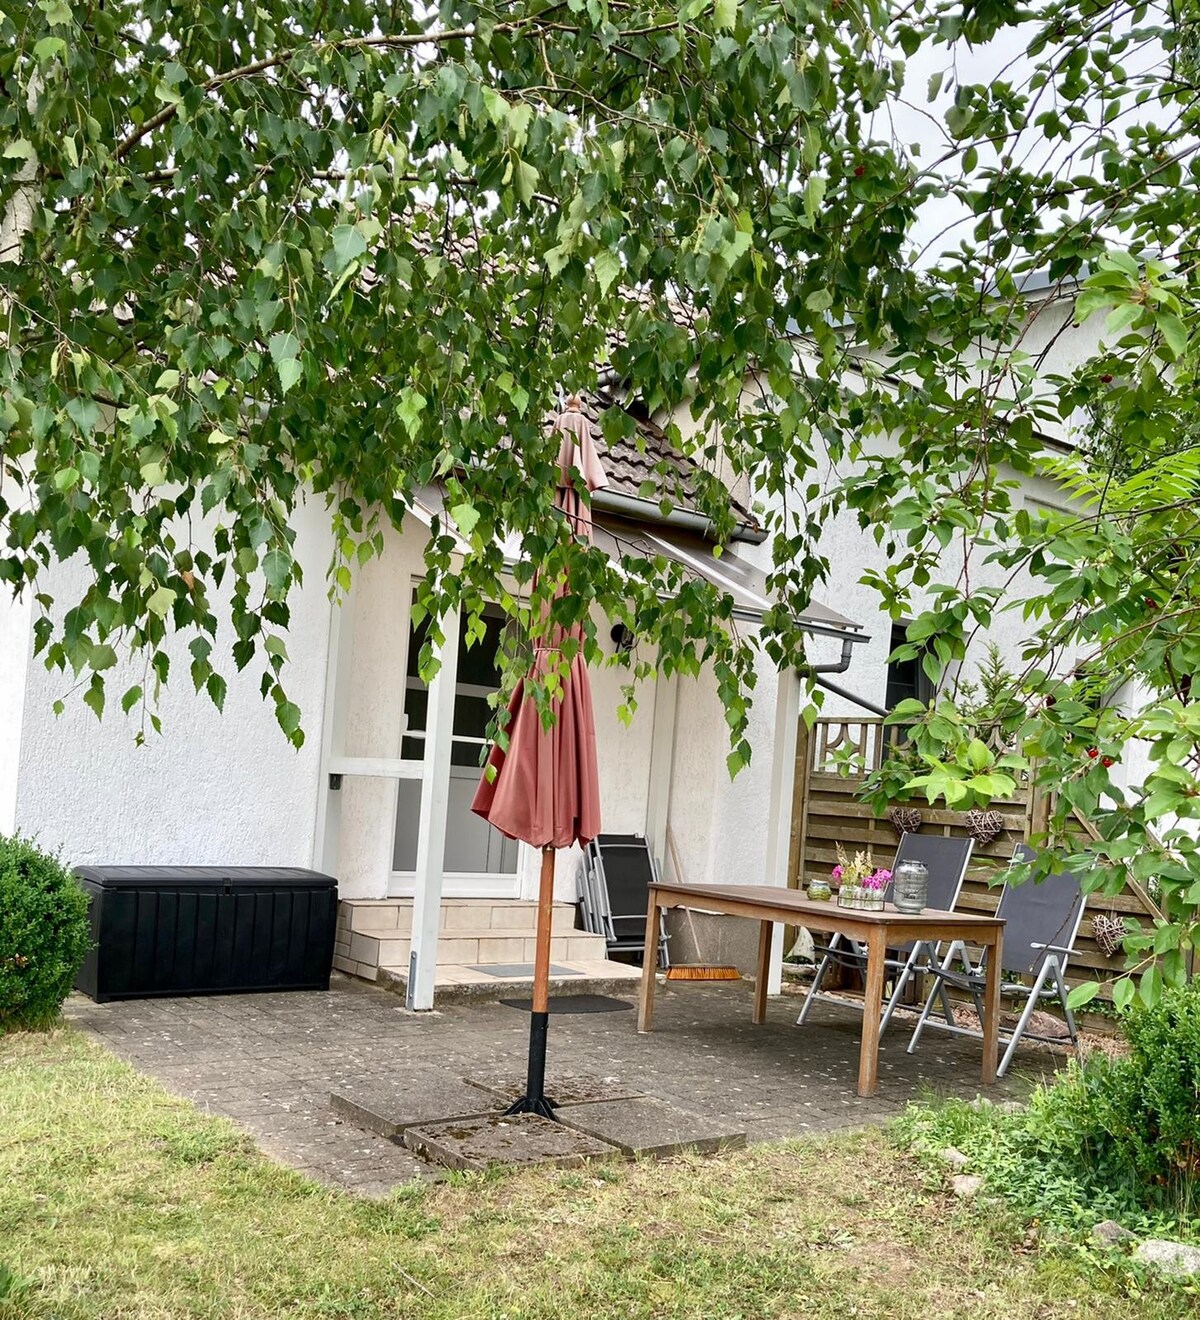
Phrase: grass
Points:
(119, 1201)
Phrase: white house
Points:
(379, 794)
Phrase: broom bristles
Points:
(702, 972)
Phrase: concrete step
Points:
(457, 984)
(362, 955)
(393, 917)
(477, 948)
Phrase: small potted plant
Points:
(861, 884)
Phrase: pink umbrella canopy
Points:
(545, 789)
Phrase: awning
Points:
(622, 539)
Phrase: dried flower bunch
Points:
(861, 873)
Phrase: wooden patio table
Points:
(768, 904)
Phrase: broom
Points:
(694, 971)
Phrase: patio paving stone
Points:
(475, 1144)
(270, 1063)
(388, 1106)
(560, 1089)
(647, 1126)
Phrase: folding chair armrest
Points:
(1052, 948)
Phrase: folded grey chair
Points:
(946, 860)
(1041, 924)
(618, 872)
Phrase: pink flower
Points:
(837, 873)
(878, 880)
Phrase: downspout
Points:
(815, 671)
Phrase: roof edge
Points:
(649, 511)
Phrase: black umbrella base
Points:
(534, 1100)
(529, 1104)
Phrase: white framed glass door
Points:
(478, 861)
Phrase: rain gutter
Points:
(650, 511)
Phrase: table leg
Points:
(645, 1020)
(868, 1053)
(991, 1009)
(765, 931)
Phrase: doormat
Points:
(573, 1004)
(506, 971)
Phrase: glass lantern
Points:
(910, 887)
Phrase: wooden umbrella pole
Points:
(534, 1100)
(545, 925)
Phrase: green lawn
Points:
(119, 1201)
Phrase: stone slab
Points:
(522, 1140)
(647, 1126)
(502, 971)
(565, 1089)
(388, 1107)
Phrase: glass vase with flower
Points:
(861, 884)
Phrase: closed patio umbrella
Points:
(545, 790)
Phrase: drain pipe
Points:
(839, 691)
(817, 672)
(841, 666)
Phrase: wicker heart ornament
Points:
(1108, 932)
(904, 820)
(984, 826)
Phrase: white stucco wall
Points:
(213, 788)
(16, 641)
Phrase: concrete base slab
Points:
(388, 1107)
(651, 1127)
(564, 1089)
(465, 984)
(522, 1140)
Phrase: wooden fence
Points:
(826, 811)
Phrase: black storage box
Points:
(196, 930)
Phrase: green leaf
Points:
(525, 180)
(346, 245)
(20, 149)
(131, 698)
(1083, 994)
(1123, 993)
(290, 373)
(216, 688)
(102, 657)
(93, 698)
(288, 715)
(159, 601)
(277, 568)
(1150, 987)
(409, 409)
(58, 12)
(725, 13)
(608, 267)
(466, 517)
(1174, 332)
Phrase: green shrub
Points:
(1149, 1107)
(1115, 1139)
(44, 934)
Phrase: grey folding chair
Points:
(1041, 924)
(946, 860)
(622, 870)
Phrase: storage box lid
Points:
(204, 877)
